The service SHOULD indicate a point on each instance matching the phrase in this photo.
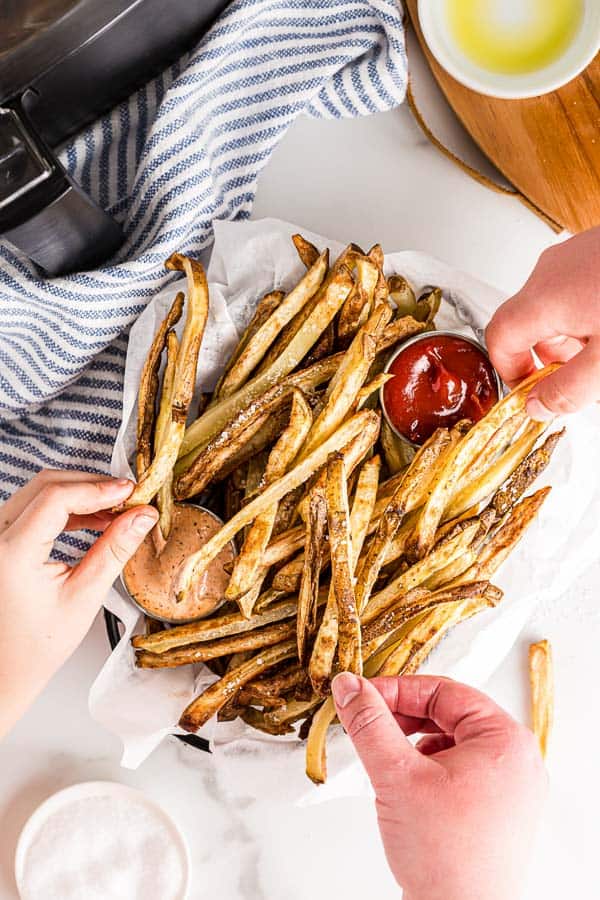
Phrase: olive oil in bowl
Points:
(514, 37)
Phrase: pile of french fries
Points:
(353, 554)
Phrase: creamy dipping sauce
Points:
(148, 578)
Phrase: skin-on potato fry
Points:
(255, 350)
(369, 389)
(183, 381)
(350, 316)
(164, 498)
(306, 620)
(525, 474)
(497, 473)
(377, 632)
(503, 541)
(348, 380)
(307, 252)
(148, 389)
(265, 308)
(249, 560)
(204, 707)
(497, 444)
(449, 475)
(342, 566)
(216, 417)
(257, 719)
(541, 681)
(196, 653)
(316, 756)
(399, 330)
(195, 565)
(445, 553)
(322, 657)
(409, 492)
(293, 711)
(396, 452)
(402, 296)
(280, 683)
(213, 629)
(453, 570)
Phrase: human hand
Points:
(557, 314)
(47, 607)
(458, 812)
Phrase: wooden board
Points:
(548, 147)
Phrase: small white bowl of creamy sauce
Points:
(147, 578)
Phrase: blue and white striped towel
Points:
(185, 150)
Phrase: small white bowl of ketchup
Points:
(440, 377)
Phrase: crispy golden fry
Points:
(214, 419)
(287, 578)
(259, 720)
(255, 350)
(525, 474)
(410, 491)
(349, 317)
(428, 306)
(449, 475)
(375, 254)
(396, 452)
(399, 330)
(453, 570)
(316, 758)
(293, 711)
(280, 683)
(307, 252)
(413, 649)
(214, 628)
(265, 308)
(340, 545)
(267, 599)
(204, 707)
(402, 295)
(306, 621)
(195, 565)
(196, 653)
(347, 381)
(183, 381)
(369, 389)
(148, 389)
(497, 473)
(497, 444)
(164, 498)
(323, 348)
(322, 657)
(445, 553)
(377, 632)
(541, 680)
(506, 538)
(249, 560)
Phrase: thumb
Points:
(575, 385)
(104, 561)
(382, 746)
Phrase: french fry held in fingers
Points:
(184, 379)
(164, 498)
(541, 681)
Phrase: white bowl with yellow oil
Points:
(512, 48)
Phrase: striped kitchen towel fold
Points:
(183, 151)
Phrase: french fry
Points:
(402, 295)
(307, 252)
(164, 498)
(397, 453)
(541, 681)
(375, 254)
(265, 308)
(399, 330)
(322, 657)
(306, 620)
(503, 542)
(213, 629)
(148, 389)
(183, 381)
(497, 444)
(411, 489)
(249, 560)
(196, 653)
(215, 418)
(316, 758)
(260, 721)
(293, 711)
(205, 706)
(497, 473)
(454, 569)
(448, 475)
(446, 552)
(340, 546)
(369, 389)
(525, 474)
(347, 381)
(255, 350)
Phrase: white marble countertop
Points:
(365, 180)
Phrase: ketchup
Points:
(438, 380)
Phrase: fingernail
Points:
(538, 411)
(345, 687)
(144, 522)
(122, 482)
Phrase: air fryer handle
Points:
(42, 211)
